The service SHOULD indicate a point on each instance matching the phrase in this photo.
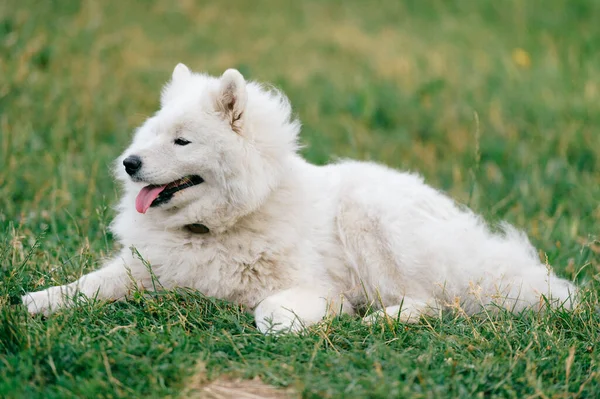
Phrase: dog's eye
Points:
(181, 141)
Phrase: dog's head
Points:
(212, 153)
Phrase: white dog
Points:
(217, 199)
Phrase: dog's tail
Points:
(540, 280)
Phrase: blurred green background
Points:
(495, 102)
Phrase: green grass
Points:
(497, 102)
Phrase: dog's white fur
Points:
(290, 240)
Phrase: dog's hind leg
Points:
(378, 270)
(111, 282)
(409, 311)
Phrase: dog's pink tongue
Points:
(146, 196)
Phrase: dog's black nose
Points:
(132, 164)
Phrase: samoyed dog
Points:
(217, 199)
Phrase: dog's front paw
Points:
(44, 302)
(290, 311)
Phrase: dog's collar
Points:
(197, 228)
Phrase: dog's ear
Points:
(180, 72)
(232, 97)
